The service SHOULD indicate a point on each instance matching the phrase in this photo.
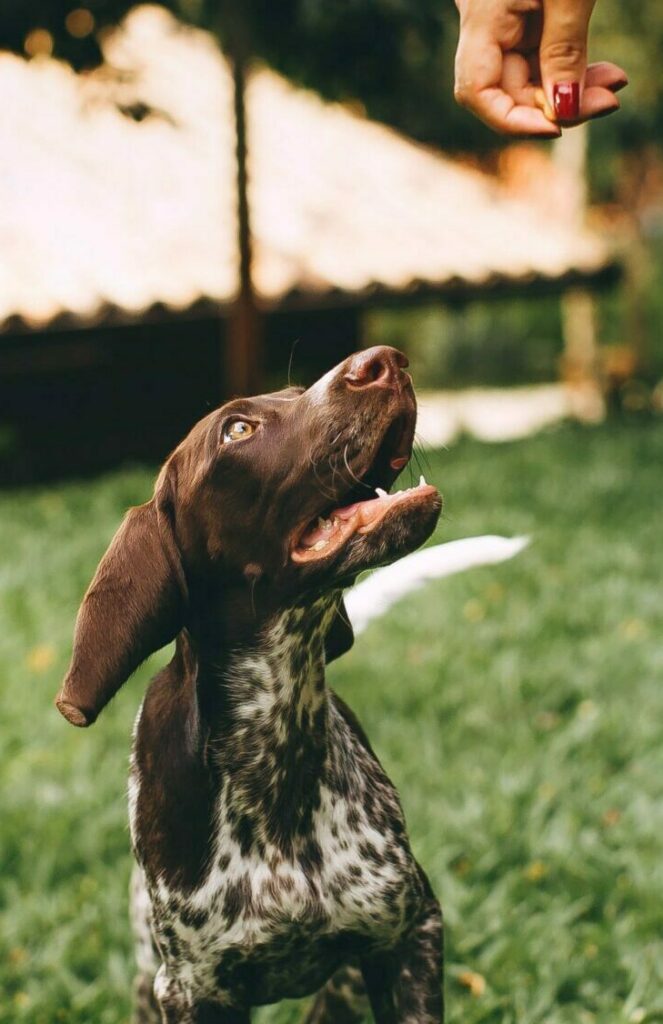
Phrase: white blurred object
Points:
(503, 414)
(101, 215)
(375, 595)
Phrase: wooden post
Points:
(243, 344)
(581, 356)
(581, 364)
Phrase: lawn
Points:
(519, 709)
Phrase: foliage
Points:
(509, 341)
(393, 56)
(491, 342)
(518, 709)
(631, 35)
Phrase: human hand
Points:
(521, 66)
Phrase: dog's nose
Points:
(380, 366)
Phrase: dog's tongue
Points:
(329, 534)
(315, 534)
(322, 529)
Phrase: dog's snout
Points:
(380, 366)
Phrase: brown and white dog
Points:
(273, 859)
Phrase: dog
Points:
(272, 855)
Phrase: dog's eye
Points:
(236, 430)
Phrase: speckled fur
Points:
(272, 854)
(309, 864)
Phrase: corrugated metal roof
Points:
(99, 211)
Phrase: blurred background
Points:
(200, 199)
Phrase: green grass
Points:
(518, 708)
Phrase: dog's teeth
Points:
(422, 481)
(320, 544)
(380, 493)
(324, 524)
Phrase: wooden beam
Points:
(243, 347)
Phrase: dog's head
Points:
(267, 499)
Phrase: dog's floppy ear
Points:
(134, 605)
(340, 636)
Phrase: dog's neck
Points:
(268, 739)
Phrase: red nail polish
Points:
(566, 99)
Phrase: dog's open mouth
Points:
(329, 533)
(367, 504)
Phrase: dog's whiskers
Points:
(353, 476)
(425, 445)
(342, 614)
(334, 469)
(322, 487)
(292, 353)
(421, 448)
(415, 457)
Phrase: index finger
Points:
(500, 111)
(479, 68)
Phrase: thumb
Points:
(563, 55)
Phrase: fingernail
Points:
(566, 98)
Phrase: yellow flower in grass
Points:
(535, 871)
(473, 610)
(633, 629)
(40, 658)
(473, 981)
(461, 867)
(494, 591)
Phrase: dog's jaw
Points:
(327, 538)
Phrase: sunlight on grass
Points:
(519, 709)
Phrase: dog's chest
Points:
(264, 925)
(308, 860)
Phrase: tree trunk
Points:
(243, 346)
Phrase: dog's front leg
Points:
(172, 1001)
(210, 1013)
(342, 1000)
(177, 1008)
(405, 986)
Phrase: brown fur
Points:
(242, 756)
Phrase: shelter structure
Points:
(118, 227)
